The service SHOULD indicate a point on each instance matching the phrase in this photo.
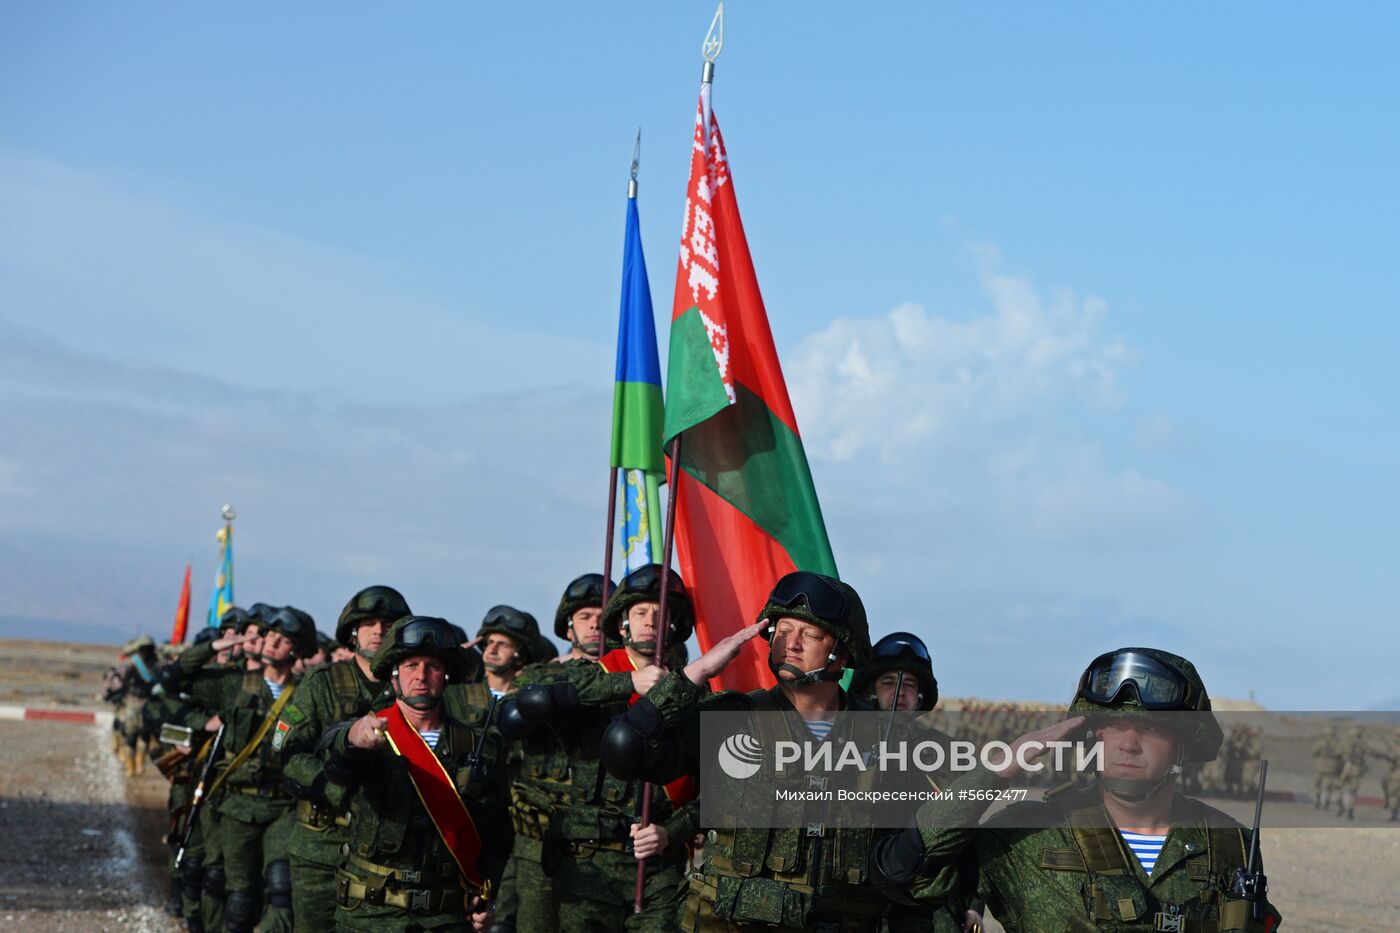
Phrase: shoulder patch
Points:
(291, 714)
(280, 735)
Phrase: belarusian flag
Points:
(747, 511)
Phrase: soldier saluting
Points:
(1127, 853)
(428, 832)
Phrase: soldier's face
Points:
(422, 676)
(801, 644)
(642, 619)
(1137, 749)
(498, 652)
(585, 624)
(253, 646)
(369, 634)
(277, 648)
(908, 690)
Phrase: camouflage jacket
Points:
(325, 698)
(779, 876)
(558, 781)
(1073, 871)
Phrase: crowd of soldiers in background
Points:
(1342, 758)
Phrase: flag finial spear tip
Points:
(228, 513)
(636, 164)
(713, 45)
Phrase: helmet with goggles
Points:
(899, 651)
(643, 585)
(585, 592)
(373, 602)
(1136, 682)
(825, 602)
(412, 636)
(297, 626)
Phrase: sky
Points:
(1087, 312)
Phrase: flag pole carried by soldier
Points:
(1127, 853)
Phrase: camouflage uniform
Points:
(1072, 869)
(326, 697)
(1328, 756)
(1354, 753)
(1391, 782)
(398, 874)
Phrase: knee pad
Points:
(240, 912)
(214, 881)
(277, 883)
(192, 877)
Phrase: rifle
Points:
(1249, 883)
(216, 745)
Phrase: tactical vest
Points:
(263, 767)
(390, 827)
(792, 876)
(1116, 892)
(352, 700)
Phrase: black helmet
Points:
(414, 635)
(207, 634)
(542, 650)
(297, 626)
(373, 602)
(519, 626)
(259, 613)
(1138, 681)
(585, 592)
(898, 651)
(644, 585)
(825, 602)
(234, 618)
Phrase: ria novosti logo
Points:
(740, 756)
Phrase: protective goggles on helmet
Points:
(588, 586)
(423, 632)
(648, 580)
(378, 603)
(1156, 684)
(899, 645)
(288, 623)
(822, 599)
(508, 618)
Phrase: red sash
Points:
(682, 790)
(438, 793)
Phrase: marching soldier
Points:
(1354, 754)
(345, 690)
(579, 618)
(428, 832)
(255, 813)
(1128, 854)
(1391, 782)
(1328, 755)
(138, 684)
(583, 818)
(810, 878)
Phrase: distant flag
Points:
(182, 612)
(637, 406)
(222, 597)
(747, 510)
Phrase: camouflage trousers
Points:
(698, 916)
(315, 855)
(211, 898)
(256, 833)
(595, 890)
(537, 911)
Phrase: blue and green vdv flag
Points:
(222, 597)
(637, 407)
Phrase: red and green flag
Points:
(182, 611)
(747, 510)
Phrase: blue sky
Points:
(1087, 312)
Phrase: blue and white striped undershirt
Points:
(431, 736)
(1145, 847)
(820, 728)
(275, 688)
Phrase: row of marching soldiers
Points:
(429, 782)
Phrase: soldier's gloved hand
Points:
(1038, 741)
(213, 724)
(482, 912)
(367, 732)
(649, 841)
(645, 678)
(721, 653)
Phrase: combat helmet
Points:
(1134, 682)
(234, 617)
(297, 626)
(899, 651)
(585, 592)
(644, 585)
(825, 602)
(259, 613)
(517, 625)
(139, 644)
(415, 635)
(373, 602)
